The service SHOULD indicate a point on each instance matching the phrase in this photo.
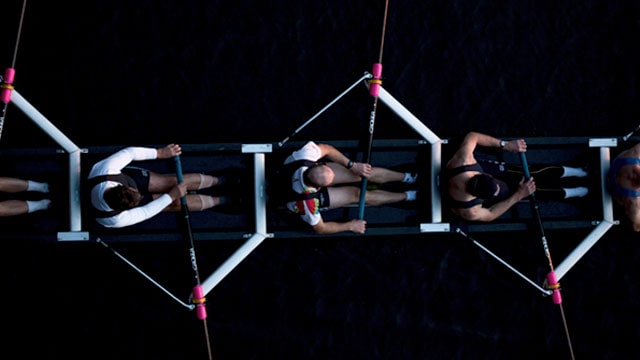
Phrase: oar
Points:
(374, 90)
(551, 276)
(552, 280)
(198, 293)
(296, 131)
(626, 137)
(198, 298)
(6, 82)
(188, 306)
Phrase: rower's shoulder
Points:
(633, 151)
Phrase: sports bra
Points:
(612, 184)
(464, 168)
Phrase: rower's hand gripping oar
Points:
(198, 294)
(552, 280)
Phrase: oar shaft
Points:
(626, 137)
(296, 131)
(536, 211)
(197, 293)
(185, 212)
(374, 89)
(367, 160)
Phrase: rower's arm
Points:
(479, 213)
(464, 154)
(333, 154)
(332, 227)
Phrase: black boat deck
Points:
(69, 221)
(48, 164)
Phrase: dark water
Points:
(120, 72)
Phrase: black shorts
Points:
(140, 176)
(323, 198)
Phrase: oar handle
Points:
(527, 176)
(525, 166)
(363, 195)
(179, 176)
(178, 168)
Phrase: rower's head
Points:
(483, 186)
(122, 197)
(319, 175)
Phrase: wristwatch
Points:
(502, 144)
